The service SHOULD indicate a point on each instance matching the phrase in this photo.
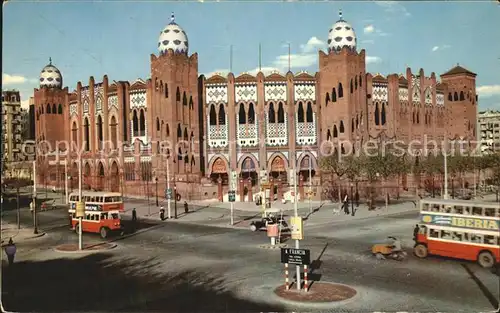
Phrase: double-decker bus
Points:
(101, 222)
(98, 201)
(461, 229)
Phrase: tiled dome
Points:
(173, 37)
(51, 76)
(341, 35)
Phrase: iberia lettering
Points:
(474, 223)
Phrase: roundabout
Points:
(87, 248)
(318, 293)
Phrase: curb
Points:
(26, 238)
(113, 245)
(271, 247)
(318, 305)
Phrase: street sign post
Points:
(296, 256)
(232, 196)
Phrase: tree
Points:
(18, 183)
(332, 164)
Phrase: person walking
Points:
(186, 207)
(10, 250)
(346, 205)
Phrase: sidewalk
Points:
(18, 235)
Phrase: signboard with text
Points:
(296, 228)
(465, 222)
(296, 256)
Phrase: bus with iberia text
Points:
(461, 229)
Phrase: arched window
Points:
(178, 95)
(341, 90)
(222, 115)
(179, 131)
(167, 130)
(114, 132)
(450, 97)
(87, 134)
(166, 90)
(335, 131)
(462, 96)
(352, 125)
(184, 99)
(42, 108)
(242, 115)
(334, 95)
(360, 81)
(376, 113)
(328, 135)
(327, 99)
(213, 115)
(418, 117)
(74, 135)
(251, 114)
(300, 113)
(185, 134)
(351, 86)
(383, 114)
(54, 109)
(135, 124)
(357, 121)
(157, 124)
(271, 113)
(48, 108)
(455, 96)
(191, 106)
(59, 109)
(281, 113)
(341, 128)
(414, 119)
(309, 113)
(100, 135)
(356, 83)
(142, 124)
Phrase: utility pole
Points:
(168, 189)
(310, 185)
(296, 211)
(445, 196)
(80, 199)
(35, 228)
(66, 181)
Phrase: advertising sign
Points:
(296, 228)
(465, 222)
(80, 209)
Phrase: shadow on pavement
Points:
(98, 283)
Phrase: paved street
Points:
(187, 267)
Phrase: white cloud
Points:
(25, 104)
(14, 79)
(368, 41)
(371, 60)
(488, 90)
(266, 70)
(312, 44)
(369, 29)
(393, 7)
(222, 72)
(436, 48)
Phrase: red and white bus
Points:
(98, 201)
(461, 229)
(103, 223)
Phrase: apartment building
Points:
(489, 131)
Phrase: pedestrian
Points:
(186, 208)
(162, 213)
(10, 250)
(415, 232)
(346, 205)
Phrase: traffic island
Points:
(318, 293)
(272, 247)
(89, 247)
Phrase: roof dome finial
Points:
(50, 61)
(340, 14)
(172, 18)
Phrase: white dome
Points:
(341, 35)
(51, 76)
(173, 37)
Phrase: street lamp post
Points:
(175, 200)
(156, 186)
(35, 226)
(445, 196)
(352, 199)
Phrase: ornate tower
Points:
(50, 102)
(460, 103)
(174, 110)
(342, 86)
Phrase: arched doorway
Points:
(73, 181)
(100, 177)
(219, 175)
(115, 178)
(277, 177)
(248, 179)
(306, 173)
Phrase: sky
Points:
(117, 37)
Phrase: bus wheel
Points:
(76, 228)
(103, 232)
(420, 251)
(485, 259)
